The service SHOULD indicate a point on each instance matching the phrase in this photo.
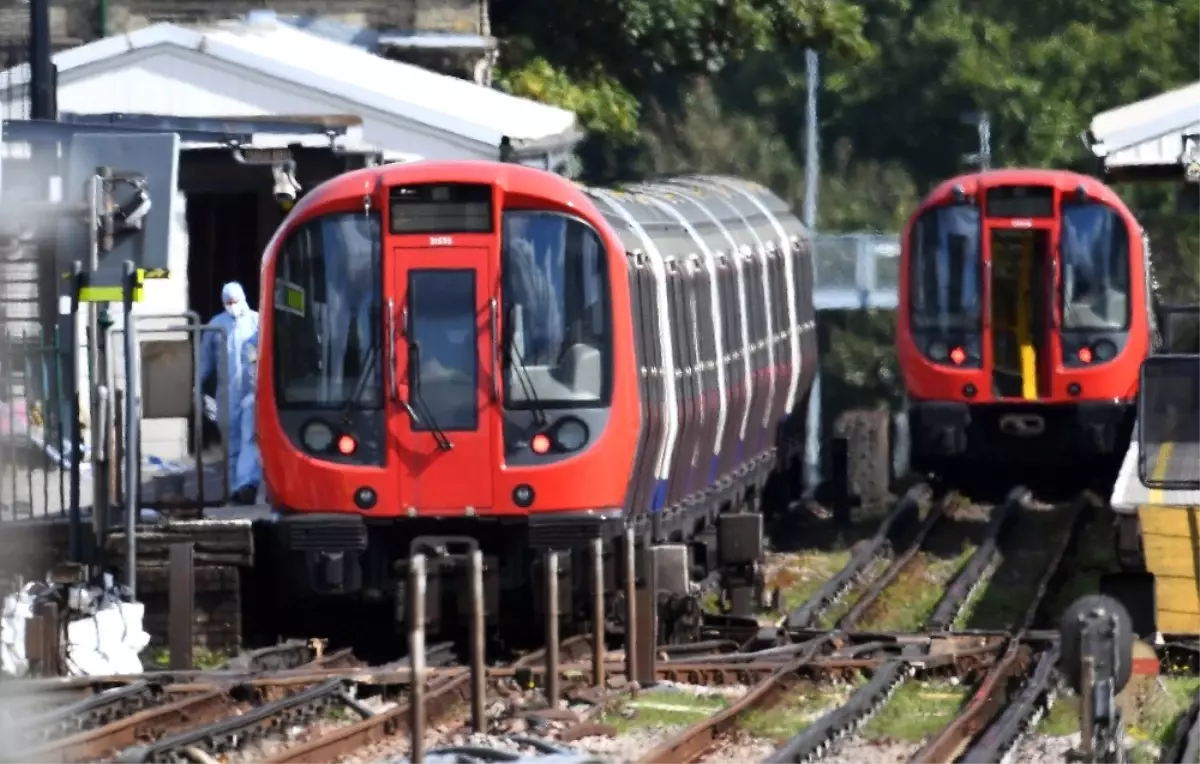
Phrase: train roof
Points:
(1063, 180)
(664, 209)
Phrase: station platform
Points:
(1168, 521)
(1166, 463)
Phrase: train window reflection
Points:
(327, 314)
(556, 315)
(442, 318)
(1095, 275)
(945, 286)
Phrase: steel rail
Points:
(871, 596)
(104, 742)
(440, 700)
(991, 696)
(821, 737)
(863, 554)
(690, 744)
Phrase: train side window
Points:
(701, 331)
(945, 286)
(641, 371)
(739, 281)
(328, 311)
(758, 321)
(708, 338)
(1095, 268)
(733, 345)
(557, 324)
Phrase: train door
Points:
(1019, 265)
(443, 381)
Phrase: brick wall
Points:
(74, 21)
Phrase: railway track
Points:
(989, 725)
(296, 703)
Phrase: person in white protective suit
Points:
(240, 325)
(248, 470)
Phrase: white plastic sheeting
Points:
(104, 635)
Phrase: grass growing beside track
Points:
(801, 709)
(1151, 706)
(798, 575)
(667, 708)
(916, 711)
(1095, 556)
(909, 601)
(1024, 554)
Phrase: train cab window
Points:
(328, 308)
(556, 312)
(945, 270)
(1095, 268)
(442, 324)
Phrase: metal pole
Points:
(416, 651)
(647, 600)
(181, 605)
(551, 569)
(74, 529)
(478, 672)
(1087, 691)
(630, 607)
(812, 182)
(985, 142)
(198, 414)
(812, 158)
(131, 430)
(598, 612)
(41, 79)
(96, 375)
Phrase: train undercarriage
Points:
(958, 439)
(317, 563)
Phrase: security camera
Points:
(286, 188)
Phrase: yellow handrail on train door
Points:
(1024, 336)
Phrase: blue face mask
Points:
(236, 309)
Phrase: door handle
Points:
(1056, 293)
(393, 373)
(495, 323)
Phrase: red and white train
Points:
(1025, 314)
(458, 354)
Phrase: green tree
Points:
(606, 58)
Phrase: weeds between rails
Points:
(900, 539)
(775, 673)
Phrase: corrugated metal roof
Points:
(278, 50)
(1149, 132)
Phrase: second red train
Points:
(1026, 312)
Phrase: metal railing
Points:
(856, 271)
(35, 434)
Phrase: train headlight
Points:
(570, 435)
(1105, 350)
(938, 351)
(317, 436)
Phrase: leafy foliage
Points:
(719, 86)
(600, 103)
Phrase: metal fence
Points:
(856, 271)
(34, 428)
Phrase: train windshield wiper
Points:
(360, 387)
(439, 435)
(515, 361)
